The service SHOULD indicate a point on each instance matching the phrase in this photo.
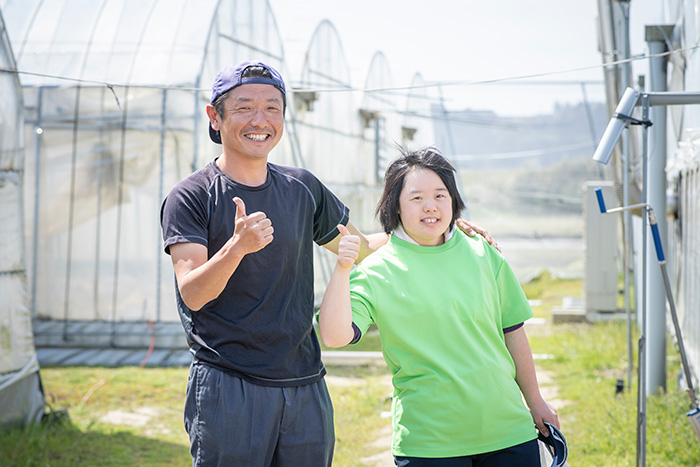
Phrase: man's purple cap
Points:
(232, 76)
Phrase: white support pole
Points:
(628, 253)
(656, 38)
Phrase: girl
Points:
(450, 315)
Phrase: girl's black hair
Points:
(427, 158)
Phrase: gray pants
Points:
(232, 422)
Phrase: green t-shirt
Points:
(441, 312)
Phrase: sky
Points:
(537, 52)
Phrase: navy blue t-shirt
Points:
(261, 326)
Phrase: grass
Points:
(360, 397)
(546, 292)
(117, 417)
(600, 425)
(133, 416)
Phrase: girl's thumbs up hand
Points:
(348, 249)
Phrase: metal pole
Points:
(602, 155)
(38, 146)
(161, 176)
(641, 369)
(672, 305)
(658, 247)
(628, 253)
(655, 181)
(673, 98)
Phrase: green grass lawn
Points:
(133, 416)
(599, 424)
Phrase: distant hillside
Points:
(484, 139)
(524, 176)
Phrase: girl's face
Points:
(425, 207)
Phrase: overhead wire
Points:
(402, 91)
(517, 79)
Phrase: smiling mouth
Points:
(430, 220)
(257, 137)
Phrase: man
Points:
(240, 232)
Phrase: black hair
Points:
(250, 72)
(427, 158)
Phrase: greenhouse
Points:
(21, 395)
(114, 95)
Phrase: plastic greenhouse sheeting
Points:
(114, 98)
(21, 394)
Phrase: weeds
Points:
(133, 416)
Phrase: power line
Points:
(518, 79)
(519, 154)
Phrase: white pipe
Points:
(656, 196)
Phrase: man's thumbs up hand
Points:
(253, 232)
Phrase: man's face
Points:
(253, 120)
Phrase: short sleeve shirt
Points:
(440, 312)
(260, 327)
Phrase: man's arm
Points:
(368, 243)
(200, 280)
(473, 229)
(335, 315)
(526, 377)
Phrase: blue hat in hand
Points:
(556, 445)
(232, 76)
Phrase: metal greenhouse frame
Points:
(114, 95)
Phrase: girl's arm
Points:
(519, 349)
(335, 315)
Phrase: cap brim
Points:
(557, 442)
(214, 135)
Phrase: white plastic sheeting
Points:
(418, 118)
(329, 122)
(384, 107)
(114, 97)
(683, 173)
(21, 396)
